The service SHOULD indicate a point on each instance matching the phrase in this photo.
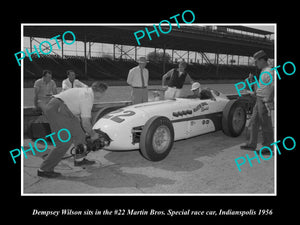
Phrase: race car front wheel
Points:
(157, 138)
(234, 118)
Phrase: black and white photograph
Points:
(128, 109)
(125, 113)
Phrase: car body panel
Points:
(190, 117)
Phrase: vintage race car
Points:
(153, 127)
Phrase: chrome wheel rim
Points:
(161, 139)
(238, 119)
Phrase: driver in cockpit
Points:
(205, 93)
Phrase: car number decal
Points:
(118, 118)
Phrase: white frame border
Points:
(146, 194)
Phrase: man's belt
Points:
(174, 87)
(140, 87)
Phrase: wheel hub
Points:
(238, 119)
(161, 139)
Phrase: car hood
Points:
(162, 107)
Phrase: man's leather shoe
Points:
(48, 174)
(84, 162)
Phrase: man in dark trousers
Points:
(177, 77)
(261, 111)
(71, 110)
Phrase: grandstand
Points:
(108, 69)
(228, 40)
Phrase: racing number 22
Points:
(118, 118)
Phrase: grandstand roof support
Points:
(164, 59)
(123, 53)
(205, 57)
(43, 46)
(180, 56)
(30, 43)
(221, 59)
(217, 62)
(90, 45)
(62, 49)
(85, 60)
(114, 51)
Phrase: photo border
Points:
(146, 194)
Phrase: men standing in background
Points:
(44, 88)
(71, 81)
(138, 79)
(177, 79)
(264, 100)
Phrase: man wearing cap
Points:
(201, 93)
(196, 89)
(177, 77)
(71, 81)
(138, 79)
(262, 107)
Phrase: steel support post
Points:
(62, 49)
(85, 60)
(164, 59)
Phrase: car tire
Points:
(157, 138)
(234, 118)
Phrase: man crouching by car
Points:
(71, 110)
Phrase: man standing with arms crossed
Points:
(138, 79)
(177, 77)
(264, 101)
(69, 110)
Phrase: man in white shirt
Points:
(138, 78)
(264, 99)
(71, 82)
(44, 88)
(71, 110)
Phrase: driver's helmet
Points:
(195, 85)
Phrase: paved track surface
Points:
(200, 165)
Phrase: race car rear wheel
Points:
(234, 118)
(157, 138)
